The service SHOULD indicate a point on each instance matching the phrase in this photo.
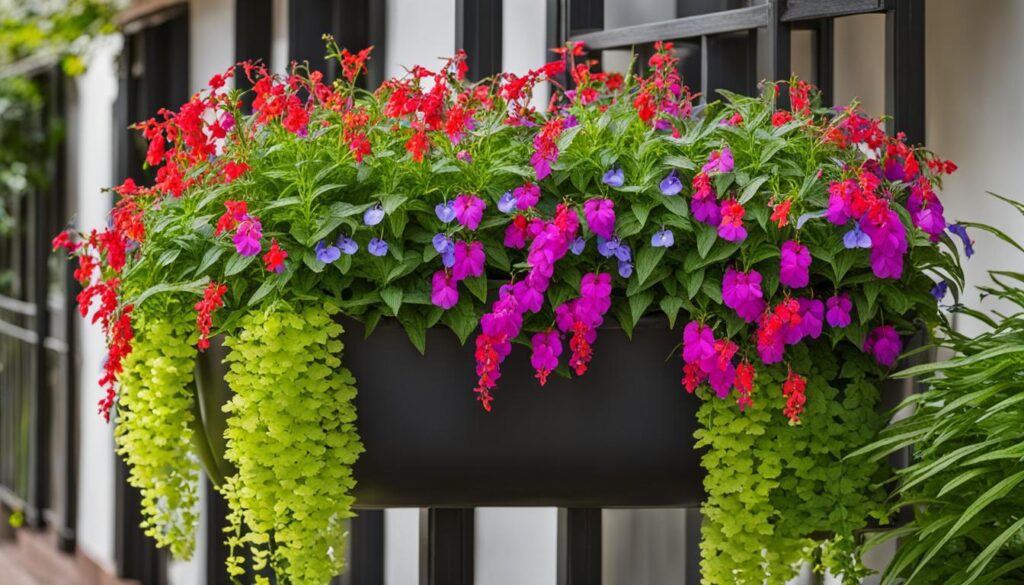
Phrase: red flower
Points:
(418, 144)
(780, 212)
(799, 97)
(63, 240)
(274, 258)
(119, 345)
(212, 300)
(352, 64)
(581, 350)
(236, 212)
(233, 170)
(793, 389)
(781, 117)
(744, 384)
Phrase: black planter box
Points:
(619, 436)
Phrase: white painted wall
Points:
(516, 546)
(91, 168)
(418, 33)
(402, 546)
(211, 43)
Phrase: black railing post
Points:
(478, 30)
(904, 68)
(579, 546)
(366, 549)
(446, 546)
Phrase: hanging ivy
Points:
(291, 434)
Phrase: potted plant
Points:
(332, 232)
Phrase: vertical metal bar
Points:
(904, 68)
(579, 546)
(359, 24)
(366, 549)
(447, 540)
(693, 520)
(478, 30)
(775, 63)
(253, 37)
(824, 60)
(308, 21)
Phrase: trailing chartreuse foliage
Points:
(965, 484)
(152, 431)
(292, 436)
(778, 493)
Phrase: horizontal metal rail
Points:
(16, 306)
(796, 10)
(726, 21)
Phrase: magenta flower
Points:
(722, 379)
(469, 260)
(731, 227)
(526, 196)
(794, 263)
(247, 237)
(812, 315)
(444, 291)
(698, 342)
(838, 314)
(469, 210)
(741, 291)
(888, 244)
(547, 347)
(720, 161)
(600, 216)
(530, 299)
(515, 234)
(706, 210)
(884, 344)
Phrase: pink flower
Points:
(812, 314)
(469, 210)
(247, 237)
(884, 344)
(795, 261)
(888, 243)
(526, 196)
(546, 349)
(706, 210)
(698, 342)
(741, 291)
(838, 314)
(530, 299)
(469, 260)
(515, 233)
(444, 291)
(600, 216)
(720, 161)
(731, 228)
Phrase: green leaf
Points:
(461, 319)
(168, 256)
(676, 205)
(237, 263)
(706, 236)
(392, 297)
(194, 287)
(211, 256)
(477, 285)
(391, 202)
(671, 306)
(646, 261)
(694, 281)
(750, 190)
(416, 329)
(265, 288)
(638, 304)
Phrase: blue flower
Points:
(614, 178)
(445, 211)
(448, 257)
(625, 269)
(327, 254)
(623, 252)
(962, 232)
(856, 238)
(663, 239)
(577, 246)
(347, 245)
(671, 185)
(377, 247)
(373, 215)
(940, 289)
(607, 248)
(442, 243)
(507, 203)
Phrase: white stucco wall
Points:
(419, 33)
(91, 111)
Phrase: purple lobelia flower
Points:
(373, 215)
(940, 289)
(741, 291)
(347, 245)
(606, 248)
(326, 253)
(600, 216)
(884, 344)
(577, 246)
(445, 211)
(625, 268)
(795, 259)
(247, 237)
(469, 260)
(623, 252)
(838, 314)
(614, 177)
(444, 292)
(469, 210)
(507, 202)
(663, 239)
(856, 238)
(441, 242)
(961, 231)
(671, 185)
(377, 247)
